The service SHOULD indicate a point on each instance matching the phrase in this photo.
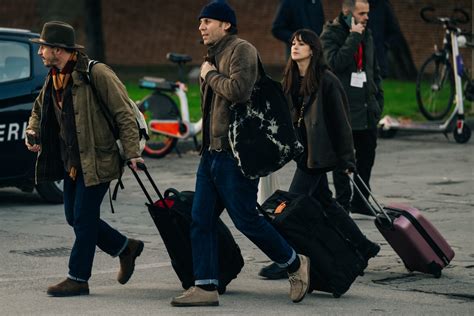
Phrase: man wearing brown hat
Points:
(75, 143)
(227, 79)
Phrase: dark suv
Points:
(22, 75)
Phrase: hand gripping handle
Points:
(143, 167)
(380, 209)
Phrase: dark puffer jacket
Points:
(340, 45)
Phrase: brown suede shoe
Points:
(127, 260)
(299, 280)
(195, 296)
(68, 287)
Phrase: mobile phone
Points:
(32, 139)
(348, 19)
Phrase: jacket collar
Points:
(340, 21)
(82, 62)
(220, 45)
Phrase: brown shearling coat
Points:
(232, 84)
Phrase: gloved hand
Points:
(347, 166)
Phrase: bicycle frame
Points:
(389, 124)
(457, 58)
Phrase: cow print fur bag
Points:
(262, 136)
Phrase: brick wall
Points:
(140, 33)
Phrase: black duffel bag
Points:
(174, 225)
(262, 136)
(301, 220)
(171, 214)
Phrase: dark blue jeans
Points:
(82, 208)
(219, 178)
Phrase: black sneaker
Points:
(273, 272)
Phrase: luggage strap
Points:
(143, 167)
(368, 203)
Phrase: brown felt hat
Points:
(57, 34)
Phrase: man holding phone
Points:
(349, 49)
(74, 142)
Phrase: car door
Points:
(21, 76)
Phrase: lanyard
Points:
(358, 56)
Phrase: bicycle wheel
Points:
(435, 88)
(159, 106)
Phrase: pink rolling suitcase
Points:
(418, 243)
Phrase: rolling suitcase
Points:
(413, 237)
(335, 261)
(172, 217)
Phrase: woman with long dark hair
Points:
(319, 109)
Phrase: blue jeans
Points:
(82, 208)
(219, 178)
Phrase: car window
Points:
(14, 61)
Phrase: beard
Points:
(50, 61)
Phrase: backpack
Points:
(262, 136)
(139, 118)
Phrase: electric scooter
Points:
(388, 126)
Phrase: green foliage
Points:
(400, 99)
(194, 100)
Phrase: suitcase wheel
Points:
(435, 269)
(221, 289)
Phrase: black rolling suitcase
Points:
(335, 261)
(172, 216)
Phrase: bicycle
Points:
(167, 123)
(437, 87)
(442, 73)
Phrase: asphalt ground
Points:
(427, 171)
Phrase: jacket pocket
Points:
(107, 161)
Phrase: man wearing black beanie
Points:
(227, 78)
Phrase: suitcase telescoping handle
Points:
(375, 210)
(143, 167)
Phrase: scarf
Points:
(60, 82)
(61, 78)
